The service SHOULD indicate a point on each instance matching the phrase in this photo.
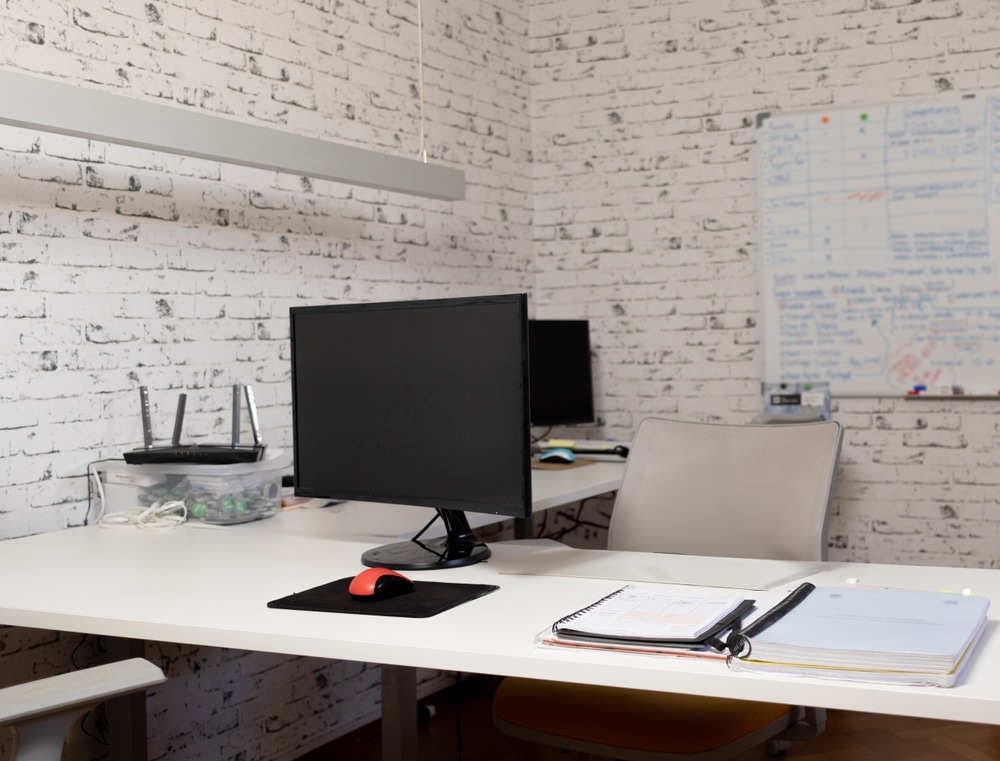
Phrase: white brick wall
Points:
(646, 112)
(121, 267)
(609, 151)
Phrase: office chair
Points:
(41, 712)
(755, 491)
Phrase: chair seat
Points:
(628, 723)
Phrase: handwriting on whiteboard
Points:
(880, 237)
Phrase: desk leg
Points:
(524, 528)
(399, 713)
(126, 715)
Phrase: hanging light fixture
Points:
(51, 106)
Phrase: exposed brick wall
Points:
(125, 267)
(646, 221)
(121, 267)
(609, 150)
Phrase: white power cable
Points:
(156, 517)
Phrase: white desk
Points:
(494, 634)
(379, 522)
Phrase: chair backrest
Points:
(756, 491)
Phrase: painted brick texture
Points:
(646, 222)
(609, 151)
(121, 267)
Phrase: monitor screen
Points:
(562, 390)
(416, 403)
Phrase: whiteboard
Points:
(880, 240)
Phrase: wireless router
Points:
(208, 454)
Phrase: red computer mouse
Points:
(379, 584)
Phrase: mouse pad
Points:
(428, 598)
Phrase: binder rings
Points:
(739, 640)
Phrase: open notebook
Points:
(644, 617)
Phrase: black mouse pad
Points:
(428, 598)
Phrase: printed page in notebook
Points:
(637, 613)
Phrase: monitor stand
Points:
(458, 548)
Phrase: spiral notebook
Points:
(637, 615)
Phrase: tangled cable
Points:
(156, 517)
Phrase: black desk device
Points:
(209, 454)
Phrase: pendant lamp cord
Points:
(420, 77)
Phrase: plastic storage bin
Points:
(235, 493)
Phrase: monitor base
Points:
(458, 547)
(432, 554)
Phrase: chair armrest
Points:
(55, 694)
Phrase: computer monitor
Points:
(417, 403)
(562, 389)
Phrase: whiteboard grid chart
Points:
(880, 236)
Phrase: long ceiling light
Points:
(51, 106)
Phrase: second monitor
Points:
(562, 390)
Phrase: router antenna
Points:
(254, 420)
(237, 389)
(179, 419)
(147, 419)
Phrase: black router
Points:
(208, 454)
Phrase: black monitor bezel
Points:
(452, 510)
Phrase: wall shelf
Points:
(50, 106)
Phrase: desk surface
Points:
(222, 579)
